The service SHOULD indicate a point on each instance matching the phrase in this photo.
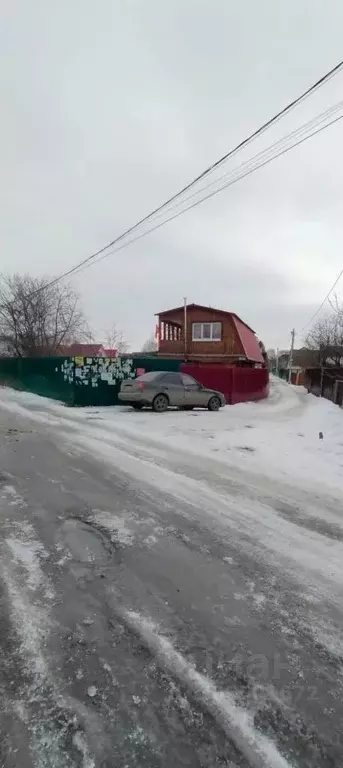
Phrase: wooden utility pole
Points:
(185, 325)
(290, 363)
(322, 369)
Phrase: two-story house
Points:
(196, 332)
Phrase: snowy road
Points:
(171, 586)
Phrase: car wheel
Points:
(137, 406)
(160, 403)
(214, 403)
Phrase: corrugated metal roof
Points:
(248, 340)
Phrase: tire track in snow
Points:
(301, 553)
(233, 719)
(52, 722)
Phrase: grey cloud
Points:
(109, 109)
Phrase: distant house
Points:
(304, 359)
(319, 370)
(301, 359)
(85, 350)
(211, 334)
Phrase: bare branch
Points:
(326, 336)
(115, 340)
(36, 318)
(150, 345)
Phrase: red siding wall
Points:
(237, 384)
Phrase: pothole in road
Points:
(86, 543)
(5, 479)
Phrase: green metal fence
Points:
(41, 375)
(97, 380)
(78, 381)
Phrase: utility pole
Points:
(321, 371)
(290, 362)
(277, 362)
(321, 380)
(185, 325)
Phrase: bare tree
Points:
(115, 340)
(326, 336)
(270, 358)
(263, 352)
(150, 345)
(37, 318)
(336, 306)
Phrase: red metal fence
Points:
(237, 384)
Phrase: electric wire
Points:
(82, 267)
(314, 122)
(291, 105)
(316, 313)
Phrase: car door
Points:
(173, 387)
(194, 395)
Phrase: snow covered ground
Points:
(277, 438)
(247, 502)
(269, 454)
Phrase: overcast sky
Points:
(108, 108)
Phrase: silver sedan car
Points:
(160, 389)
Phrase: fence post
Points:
(233, 385)
(321, 380)
(19, 371)
(73, 398)
(335, 392)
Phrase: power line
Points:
(323, 302)
(291, 105)
(85, 265)
(81, 267)
(265, 152)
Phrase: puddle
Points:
(85, 543)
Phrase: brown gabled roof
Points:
(202, 306)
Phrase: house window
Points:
(206, 331)
(197, 331)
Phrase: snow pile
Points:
(276, 437)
